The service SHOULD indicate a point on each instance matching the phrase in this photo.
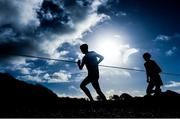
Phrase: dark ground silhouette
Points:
(20, 99)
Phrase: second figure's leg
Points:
(158, 90)
(149, 89)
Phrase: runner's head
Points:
(84, 48)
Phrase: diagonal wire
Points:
(70, 61)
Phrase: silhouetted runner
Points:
(153, 77)
(91, 60)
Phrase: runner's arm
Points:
(101, 58)
(80, 65)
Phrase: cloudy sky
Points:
(120, 30)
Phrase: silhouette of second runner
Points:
(153, 77)
(91, 61)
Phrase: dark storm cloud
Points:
(25, 24)
(60, 16)
(8, 49)
(17, 25)
(8, 12)
(78, 9)
(13, 42)
(65, 21)
(52, 16)
(18, 13)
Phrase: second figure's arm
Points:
(147, 77)
(147, 74)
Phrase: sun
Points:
(110, 50)
(114, 48)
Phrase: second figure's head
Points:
(84, 48)
(147, 56)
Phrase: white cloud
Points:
(41, 76)
(56, 77)
(69, 95)
(109, 73)
(28, 11)
(20, 65)
(57, 55)
(63, 95)
(20, 13)
(46, 77)
(172, 84)
(20, 19)
(80, 29)
(25, 70)
(50, 47)
(137, 92)
(18, 61)
(112, 92)
(162, 38)
(74, 88)
(29, 77)
(166, 37)
(37, 71)
(128, 53)
(61, 76)
(29, 74)
(121, 14)
(171, 51)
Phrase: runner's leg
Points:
(85, 89)
(96, 86)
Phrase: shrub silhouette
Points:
(114, 97)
